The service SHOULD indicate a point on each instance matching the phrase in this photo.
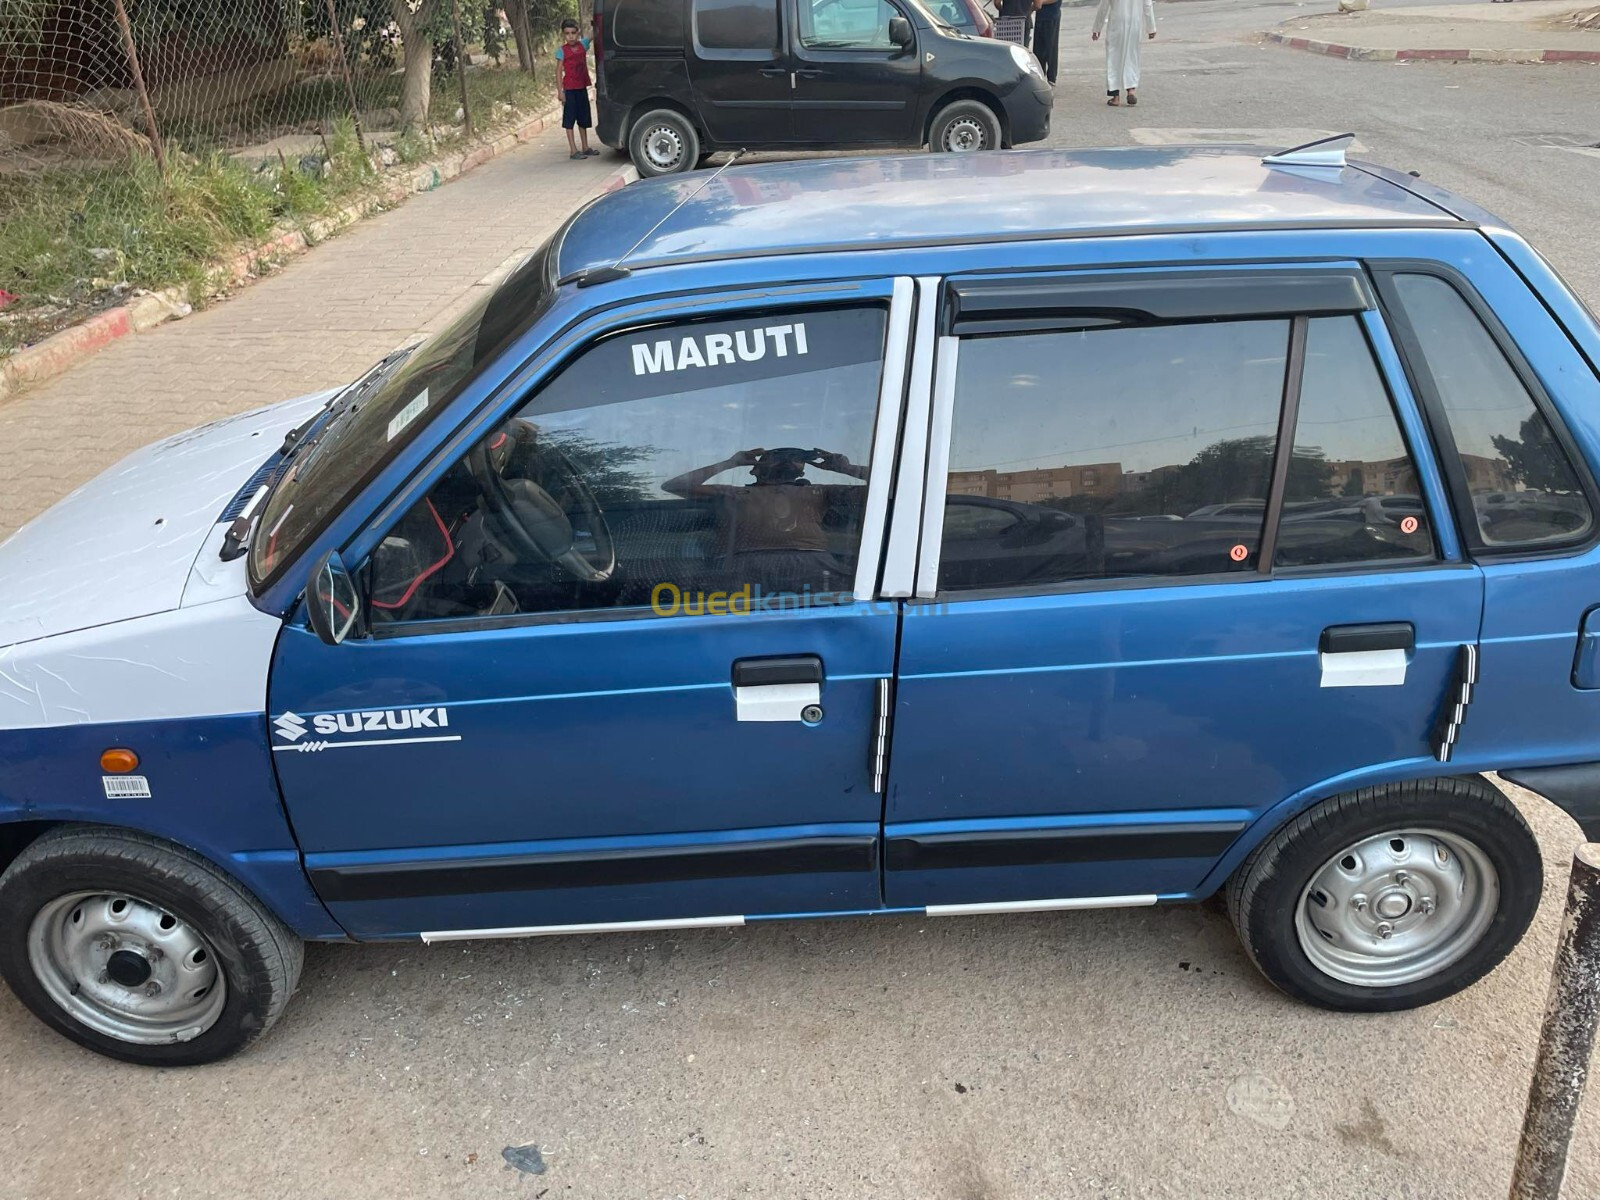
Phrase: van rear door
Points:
(741, 72)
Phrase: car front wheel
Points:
(663, 142)
(1390, 897)
(962, 126)
(141, 950)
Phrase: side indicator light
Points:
(119, 761)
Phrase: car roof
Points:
(869, 202)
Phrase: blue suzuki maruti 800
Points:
(992, 533)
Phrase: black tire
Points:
(663, 142)
(963, 126)
(1264, 893)
(258, 957)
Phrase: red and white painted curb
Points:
(1369, 54)
(59, 352)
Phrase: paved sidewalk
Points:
(318, 322)
(1531, 31)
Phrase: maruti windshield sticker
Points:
(712, 349)
(414, 409)
(126, 787)
(649, 363)
(335, 728)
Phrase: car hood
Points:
(123, 545)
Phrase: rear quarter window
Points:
(1523, 488)
(747, 25)
(647, 25)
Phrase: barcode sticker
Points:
(126, 787)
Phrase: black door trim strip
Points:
(604, 868)
(1039, 847)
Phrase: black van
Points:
(681, 79)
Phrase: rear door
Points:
(852, 85)
(740, 70)
(1211, 570)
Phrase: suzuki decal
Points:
(291, 727)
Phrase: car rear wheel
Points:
(962, 126)
(663, 142)
(1390, 897)
(141, 950)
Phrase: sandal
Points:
(576, 154)
(1114, 101)
(1132, 99)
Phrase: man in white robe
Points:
(1123, 21)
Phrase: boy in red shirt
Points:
(573, 56)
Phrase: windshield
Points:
(374, 418)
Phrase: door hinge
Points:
(880, 736)
(1447, 728)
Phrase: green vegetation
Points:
(73, 237)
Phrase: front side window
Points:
(683, 468)
(1524, 490)
(1106, 453)
(736, 24)
(846, 24)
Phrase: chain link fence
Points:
(238, 75)
(142, 141)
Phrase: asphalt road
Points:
(1108, 1054)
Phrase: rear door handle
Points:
(1374, 655)
(773, 72)
(778, 689)
(1355, 639)
(811, 72)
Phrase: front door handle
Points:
(778, 689)
(811, 72)
(1373, 655)
(773, 72)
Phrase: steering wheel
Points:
(525, 508)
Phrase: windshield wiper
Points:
(238, 535)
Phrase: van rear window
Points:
(736, 24)
(646, 25)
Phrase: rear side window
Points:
(647, 24)
(1352, 494)
(1523, 487)
(1108, 453)
(736, 24)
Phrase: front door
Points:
(740, 71)
(613, 674)
(1190, 563)
(852, 84)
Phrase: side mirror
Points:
(332, 601)
(900, 32)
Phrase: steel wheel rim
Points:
(1397, 907)
(965, 134)
(126, 968)
(663, 147)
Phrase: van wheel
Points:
(141, 950)
(663, 142)
(1390, 897)
(964, 125)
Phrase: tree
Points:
(1533, 459)
(416, 19)
(1237, 469)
